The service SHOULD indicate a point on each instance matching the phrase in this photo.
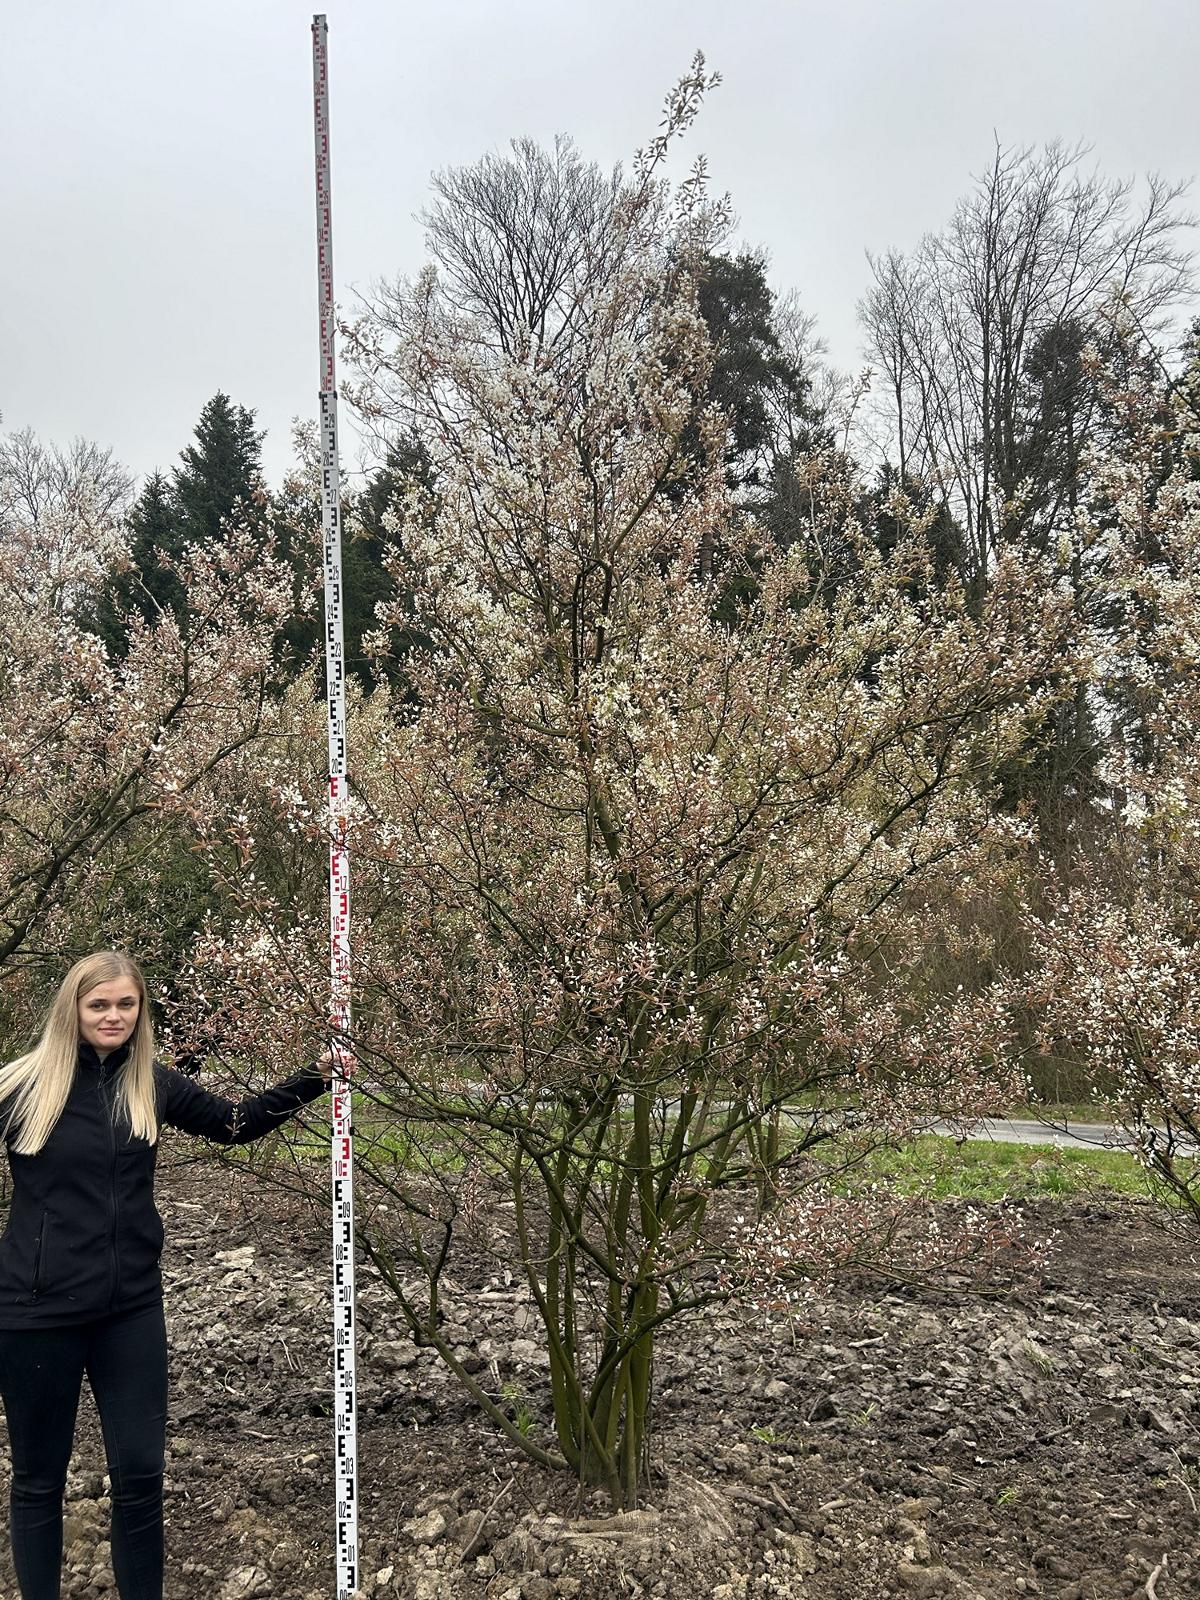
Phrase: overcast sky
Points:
(156, 200)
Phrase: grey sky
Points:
(156, 190)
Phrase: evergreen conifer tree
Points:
(145, 586)
(367, 581)
(218, 475)
(221, 471)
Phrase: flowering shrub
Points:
(1116, 945)
(643, 883)
(95, 757)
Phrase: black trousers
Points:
(41, 1375)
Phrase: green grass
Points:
(932, 1165)
(981, 1170)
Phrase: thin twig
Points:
(1152, 1580)
(736, 1492)
(1181, 1480)
(782, 1503)
(472, 1543)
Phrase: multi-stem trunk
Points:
(601, 1418)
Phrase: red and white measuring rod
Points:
(344, 1408)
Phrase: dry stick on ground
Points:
(473, 1542)
(736, 1492)
(1152, 1580)
(1178, 1477)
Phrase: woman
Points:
(80, 1288)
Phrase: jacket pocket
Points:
(27, 1276)
(39, 1256)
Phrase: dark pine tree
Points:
(765, 398)
(221, 473)
(1185, 419)
(145, 587)
(367, 580)
(367, 532)
(752, 380)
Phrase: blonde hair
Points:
(37, 1084)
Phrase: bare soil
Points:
(881, 1443)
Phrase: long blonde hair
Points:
(37, 1084)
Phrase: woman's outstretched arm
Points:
(185, 1105)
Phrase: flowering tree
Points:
(642, 889)
(92, 755)
(1116, 947)
(56, 503)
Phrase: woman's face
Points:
(107, 1014)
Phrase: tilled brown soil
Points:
(879, 1444)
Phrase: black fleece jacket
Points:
(84, 1237)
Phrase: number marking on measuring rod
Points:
(342, 1146)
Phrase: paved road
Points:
(1014, 1130)
(1075, 1135)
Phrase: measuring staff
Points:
(345, 1428)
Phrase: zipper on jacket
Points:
(112, 1182)
(37, 1258)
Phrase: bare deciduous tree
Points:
(975, 332)
(522, 240)
(529, 252)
